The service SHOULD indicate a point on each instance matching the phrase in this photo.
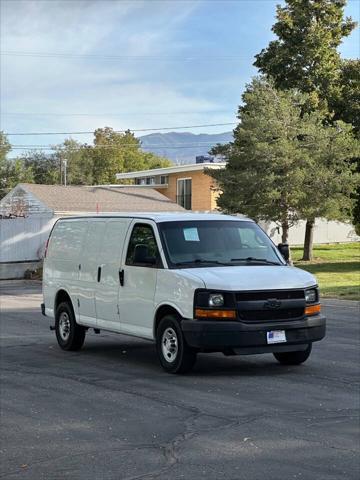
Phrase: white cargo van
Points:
(190, 282)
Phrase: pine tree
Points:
(283, 164)
(305, 56)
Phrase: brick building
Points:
(187, 185)
(190, 187)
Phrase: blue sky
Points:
(130, 64)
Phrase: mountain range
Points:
(182, 147)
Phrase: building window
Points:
(140, 181)
(150, 180)
(164, 179)
(183, 194)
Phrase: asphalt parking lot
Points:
(110, 412)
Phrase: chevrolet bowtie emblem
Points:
(272, 303)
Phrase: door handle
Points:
(99, 274)
(121, 277)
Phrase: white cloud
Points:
(91, 83)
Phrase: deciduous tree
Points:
(12, 171)
(45, 167)
(112, 152)
(115, 152)
(5, 148)
(79, 168)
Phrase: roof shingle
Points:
(101, 198)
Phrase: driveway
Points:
(110, 412)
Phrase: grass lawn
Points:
(337, 269)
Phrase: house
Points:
(193, 189)
(28, 199)
(28, 212)
(187, 185)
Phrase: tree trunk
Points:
(285, 231)
(309, 237)
(285, 237)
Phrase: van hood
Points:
(254, 277)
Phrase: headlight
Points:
(310, 296)
(216, 300)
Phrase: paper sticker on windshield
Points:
(191, 234)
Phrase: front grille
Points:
(270, 305)
(266, 294)
(268, 315)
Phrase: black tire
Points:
(179, 358)
(293, 358)
(69, 335)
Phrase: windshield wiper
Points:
(201, 260)
(254, 259)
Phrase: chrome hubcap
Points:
(64, 326)
(169, 344)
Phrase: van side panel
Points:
(89, 261)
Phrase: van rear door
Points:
(61, 264)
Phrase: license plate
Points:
(276, 336)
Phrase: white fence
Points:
(23, 239)
(324, 232)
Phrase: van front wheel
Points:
(69, 334)
(174, 354)
(293, 358)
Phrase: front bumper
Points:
(246, 338)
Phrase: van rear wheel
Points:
(293, 358)
(69, 335)
(174, 354)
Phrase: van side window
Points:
(143, 250)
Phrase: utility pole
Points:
(65, 165)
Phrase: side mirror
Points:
(285, 251)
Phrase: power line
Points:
(114, 147)
(170, 58)
(124, 131)
(113, 114)
(120, 145)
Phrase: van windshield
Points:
(205, 243)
